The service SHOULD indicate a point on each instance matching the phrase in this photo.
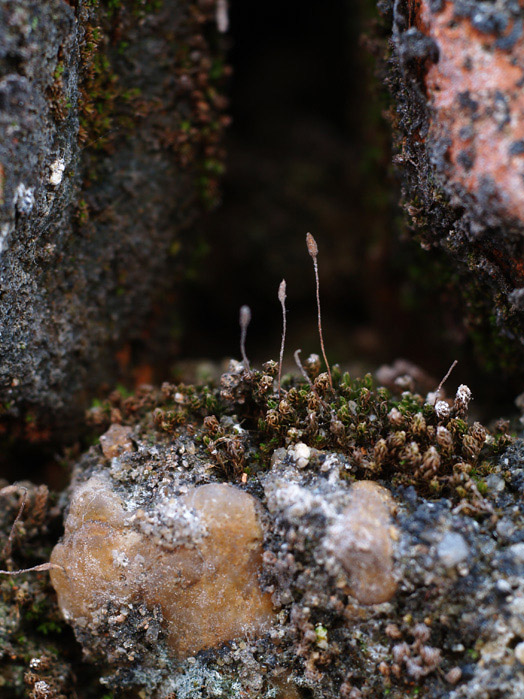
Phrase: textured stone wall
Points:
(456, 71)
(110, 126)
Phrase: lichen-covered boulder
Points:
(455, 71)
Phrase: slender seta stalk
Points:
(313, 251)
(282, 299)
(300, 366)
(245, 319)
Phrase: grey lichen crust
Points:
(104, 107)
(375, 589)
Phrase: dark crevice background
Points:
(308, 150)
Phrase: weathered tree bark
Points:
(456, 72)
(110, 133)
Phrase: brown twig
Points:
(312, 248)
(34, 569)
(282, 299)
(6, 553)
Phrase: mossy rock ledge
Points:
(233, 542)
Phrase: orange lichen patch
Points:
(206, 586)
(477, 98)
(116, 441)
(362, 541)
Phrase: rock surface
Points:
(406, 585)
(110, 144)
(456, 73)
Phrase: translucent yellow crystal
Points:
(207, 589)
(362, 541)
